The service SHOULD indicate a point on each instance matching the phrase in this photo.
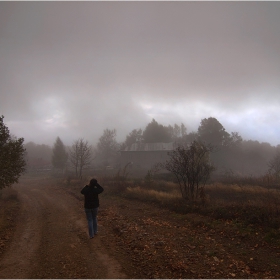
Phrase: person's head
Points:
(93, 182)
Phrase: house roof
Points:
(147, 147)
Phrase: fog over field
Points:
(73, 69)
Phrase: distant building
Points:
(143, 156)
(38, 164)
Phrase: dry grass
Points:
(244, 203)
(250, 205)
(151, 194)
(219, 193)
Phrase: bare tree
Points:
(192, 168)
(274, 166)
(80, 156)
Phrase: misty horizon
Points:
(94, 141)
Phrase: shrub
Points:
(192, 168)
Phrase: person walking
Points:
(91, 204)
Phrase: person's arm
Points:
(83, 191)
(99, 188)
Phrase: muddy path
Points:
(51, 239)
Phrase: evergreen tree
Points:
(212, 132)
(156, 132)
(134, 136)
(12, 152)
(108, 147)
(59, 156)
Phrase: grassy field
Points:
(244, 205)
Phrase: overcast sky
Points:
(73, 69)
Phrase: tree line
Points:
(230, 154)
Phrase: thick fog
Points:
(73, 69)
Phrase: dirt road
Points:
(51, 239)
(136, 240)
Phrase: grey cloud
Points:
(100, 60)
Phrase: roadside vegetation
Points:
(9, 206)
(247, 206)
(12, 152)
(241, 215)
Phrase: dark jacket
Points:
(91, 195)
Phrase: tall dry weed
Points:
(249, 204)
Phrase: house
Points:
(143, 156)
(38, 164)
